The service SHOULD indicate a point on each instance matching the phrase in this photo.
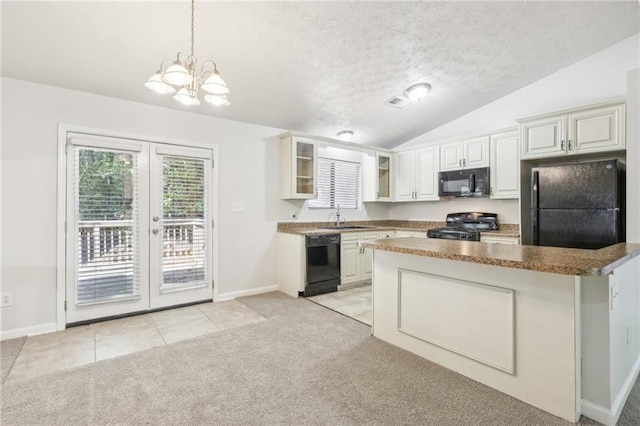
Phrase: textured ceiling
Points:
(315, 67)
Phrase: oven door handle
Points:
(472, 184)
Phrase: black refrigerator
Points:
(578, 205)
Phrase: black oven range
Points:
(465, 226)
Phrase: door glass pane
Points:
(105, 193)
(305, 172)
(383, 177)
(184, 189)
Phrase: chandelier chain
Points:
(193, 8)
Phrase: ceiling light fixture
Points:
(182, 76)
(417, 92)
(345, 135)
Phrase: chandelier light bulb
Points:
(217, 99)
(186, 97)
(215, 85)
(177, 75)
(156, 84)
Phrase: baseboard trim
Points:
(28, 331)
(606, 416)
(250, 292)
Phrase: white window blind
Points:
(338, 184)
(184, 188)
(105, 188)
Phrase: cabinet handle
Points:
(569, 144)
(561, 145)
(377, 195)
(460, 162)
(464, 162)
(491, 191)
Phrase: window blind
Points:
(184, 189)
(105, 188)
(338, 184)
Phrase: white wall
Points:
(248, 172)
(600, 77)
(633, 156)
(508, 210)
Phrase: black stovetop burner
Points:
(465, 226)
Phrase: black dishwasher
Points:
(323, 264)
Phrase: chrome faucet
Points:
(338, 215)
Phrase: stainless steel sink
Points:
(348, 227)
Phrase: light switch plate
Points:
(237, 207)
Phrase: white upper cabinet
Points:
(505, 165)
(464, 154)
(377, 177)
(405, 175)
(416, 174)
(298, 165)
(596, 128)
(427, 169)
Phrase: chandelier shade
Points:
(156, 84)
(183, 77)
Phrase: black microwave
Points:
(464, 183)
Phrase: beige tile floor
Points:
(48, 353)
(354, 303)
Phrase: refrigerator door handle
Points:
(534, 189)
(534, 228)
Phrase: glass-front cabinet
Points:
(376, 177)
(384, 176)
(299, 161)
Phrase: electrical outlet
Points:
(6, 299)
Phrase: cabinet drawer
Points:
(365, 236)
(351, 236)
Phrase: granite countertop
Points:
(554, 260)
(317, 228)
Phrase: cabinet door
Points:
(427, 162)
(405, 166)
(543, 138)
(598, 129)
(366, 256)
(383, 178)
(451, 156)
(476, 152)
(305, 163)
(505, 165)
(349, 259)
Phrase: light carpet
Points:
(304, 365)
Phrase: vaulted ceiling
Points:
(315, 67)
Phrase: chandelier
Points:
(181, 78)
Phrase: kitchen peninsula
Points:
(557, 328)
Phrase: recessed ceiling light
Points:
(417, 92)
(345, 135)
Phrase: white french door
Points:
(138, 228)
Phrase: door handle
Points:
(155, 231)
(156, 218)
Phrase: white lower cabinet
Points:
(356, 263)
(499, 240)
